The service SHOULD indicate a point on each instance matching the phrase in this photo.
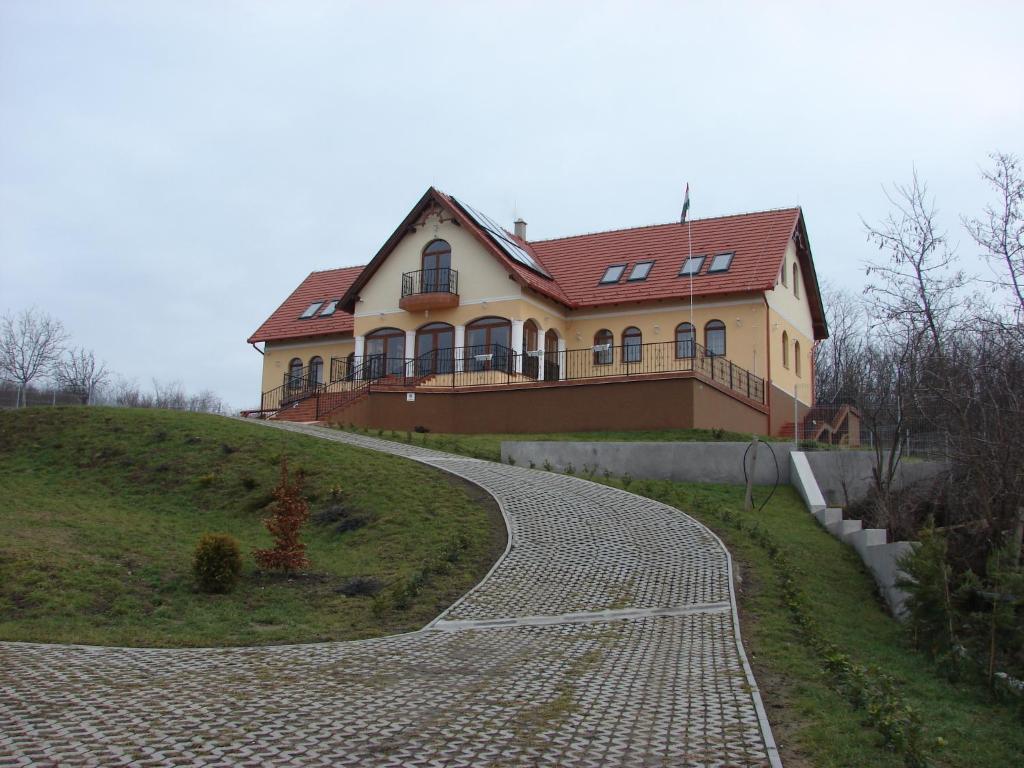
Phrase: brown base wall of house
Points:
(659, 404)
(781, 405)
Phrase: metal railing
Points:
(442, 280)
(496, 364)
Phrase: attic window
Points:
(640, 270)
(692, 265)
(721, 262)
(311, 310)
(329, 309)
(613, 273)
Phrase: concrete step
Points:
(867, 537)
(844, 528)
(829, 516)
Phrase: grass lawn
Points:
(489, 446)
(101, 509)
(815, 724)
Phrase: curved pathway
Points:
(606, 635)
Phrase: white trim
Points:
(274, 346)
(668, 308)
(399, 310)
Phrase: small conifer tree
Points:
(290, 513)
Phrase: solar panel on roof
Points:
(503, 239)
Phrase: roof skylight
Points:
(692, 265)
(311, 310)
(721, 262)
(640, 270)
(613, 273)
(330, 308)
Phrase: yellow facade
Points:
(754, 324)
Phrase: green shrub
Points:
(217, 563)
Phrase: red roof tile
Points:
(758, 241)
(328, 285)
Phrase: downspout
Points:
(768, 362)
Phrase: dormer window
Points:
(692, 266)
(311, 310)
(613, 274)
(329, 310)
(720, 263)
(640, 270)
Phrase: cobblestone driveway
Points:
(605, 636)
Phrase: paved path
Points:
(605, 636)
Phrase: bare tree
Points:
(30, 343)
(1000, 230)
(838, 360)
(917, 286)
(79, 372)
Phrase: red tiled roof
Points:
(758, 241)
(328, 285)
(577, 263)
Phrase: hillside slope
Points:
(101, 508)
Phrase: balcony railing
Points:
(496, 364)
(430, 281)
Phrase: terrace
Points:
(495, 367)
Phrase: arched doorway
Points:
(551, 362)
(384, 353)
(437, 263)
(435, 345)
(531, 340)
(488, 344)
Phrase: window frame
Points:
(785, 350)
(700, 265)
(631, 348)
(310, 312)
(709, 351)
(609, 353)
(692, 342)
(632, 273)
(330, 308)
(712, 270)
(622, 270)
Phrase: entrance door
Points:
(385, 353)
(435, 349)
(551, 356)
(531, 363)
(488, 344)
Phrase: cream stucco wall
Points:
(481, 279)
(744, 327)
(791, 314)
(277, 356)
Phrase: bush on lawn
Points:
(217, 563)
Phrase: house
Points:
(459, 325)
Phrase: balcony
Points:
(429, 289)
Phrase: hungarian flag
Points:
(686, 204)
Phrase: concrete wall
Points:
(845, 476)
(679, 462)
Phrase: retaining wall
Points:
(679, 462)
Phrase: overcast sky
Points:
(169, 172)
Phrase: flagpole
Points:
(689, 237)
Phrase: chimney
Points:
(520, 229)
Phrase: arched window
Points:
(714, 338)
(785, 350)
(796, 357)
(384, 353)
(632, 345)
(437, 263)
(435, 344)
(796, 280)
(685, 340)
(488, 344)
(785, 274)
(531, 342)
(294, 378)
(604, 350)
(316, 370)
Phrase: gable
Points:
(480, 276)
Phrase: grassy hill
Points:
(100, 510)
